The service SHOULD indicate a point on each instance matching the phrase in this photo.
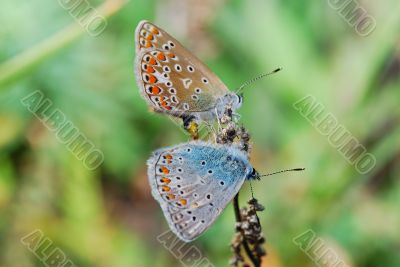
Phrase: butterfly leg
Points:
(212, 133)
(190, 125)
(236, 116)
(218, 120)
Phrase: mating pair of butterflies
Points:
(193, 182)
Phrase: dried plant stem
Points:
(254, 260)
(248, 229)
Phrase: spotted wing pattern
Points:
(171, 78)
(193, 183)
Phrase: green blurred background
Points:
(107, 217)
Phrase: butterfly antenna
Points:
(256, 79)
(289, 170)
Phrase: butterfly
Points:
(193, 182)
(175, 82)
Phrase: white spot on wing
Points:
(186, 82)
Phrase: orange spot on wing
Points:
(161, 56)
(150, 37)
(154, 30)
(168, 157)
(183, 201)
(164, 170)
(148, 44)
(152, 61)
(155, 90)
(150, 69)
(164, 104)
(167, 107)
(166, 188)
(152, 79)
(165, 180)
(171, 55)
(170, 196)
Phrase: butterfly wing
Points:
(171, 78)
(193, 183)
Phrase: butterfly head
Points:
(253, 175)
(231, 100)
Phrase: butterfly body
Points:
(193, 182)
(173, 81)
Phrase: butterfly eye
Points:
(240, 98)
(190, 68)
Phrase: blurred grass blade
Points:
(26, 61)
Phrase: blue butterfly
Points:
(193, 182)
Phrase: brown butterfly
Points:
(173, 81)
